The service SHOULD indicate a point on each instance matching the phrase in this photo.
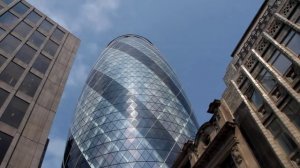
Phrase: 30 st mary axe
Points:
(132, 111)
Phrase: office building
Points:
(256, 123)
(36, 55)
(132, 111)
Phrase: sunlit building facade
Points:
(36, 55)
(256, 123)
(132, 111)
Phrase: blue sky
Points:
(196, 37)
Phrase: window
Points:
(7, 20)
(7, 2)
(256, 98)
(3, 95)
(37, 38)
(294, 42)
(267, 80)
(23, 29)
(33, 17)
(280, 62)
(14, 112)
(2, 60)
(284, 140)
(292, 110)
(11, 74)
(20, 8)
(26, 53)
(41, 64)
(9, 44)
(51, 48)
(58, 35)
(5, 141)
(30, 84)
(46, 26)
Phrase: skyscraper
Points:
(36, 55)
(256, 123)
(132, 111)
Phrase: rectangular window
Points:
(9, 44)
(294, 43)
(41, 63)
(23, 29)
(256, 98)
(292, 110)
(11, 74)
(58, 35)
(3, 95)
(5, 141)
(51, 48)
(2, 60)
(267, 80)
(30, 84)
(7, 20)
(14, 113)
(33, 17)
(26, 53)
(46, 26)
(37, 38)
(20, 8)
(280, 62)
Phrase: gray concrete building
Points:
(36, 55)
(256, 123)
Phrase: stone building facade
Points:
(36, 55)
(256, 123)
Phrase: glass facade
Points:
(132, 111)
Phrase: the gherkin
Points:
(132, 111)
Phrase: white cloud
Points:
(55, 153)
(89, 15)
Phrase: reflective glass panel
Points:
(26, 53)
(2, 31)
(267, 80)
(281, 63)
(51, 48)
(7, 20)
(5, 141)
(2, 60)
(33, 17)
(3, 95)
(256, 99)
(9, 44)
(30, 84)
(46, 26)
(37, 38)
(294, 43)
(41, 63)
(58, 35)
(14, 112)
(7, 2)
(292, 111)
(20, 8)
(23, 29)
(11, 74)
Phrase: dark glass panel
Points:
(281, 63)
(51, 48)
(37, 38)
(267, 80)
(41, 63)
(8, 19)
(14, 112)
(9, 44)
(46, 26)
(23, 29)
(58, 35)
(292, 110)
(26, 53)
(294, 43)
(2, 31)
(33, 17)
(20, 8)
(5, 141)
(256, 99)
(7, 2)
(3, 96)
(11, 74)
(286, 143)
(30, 84)
(2, 60)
